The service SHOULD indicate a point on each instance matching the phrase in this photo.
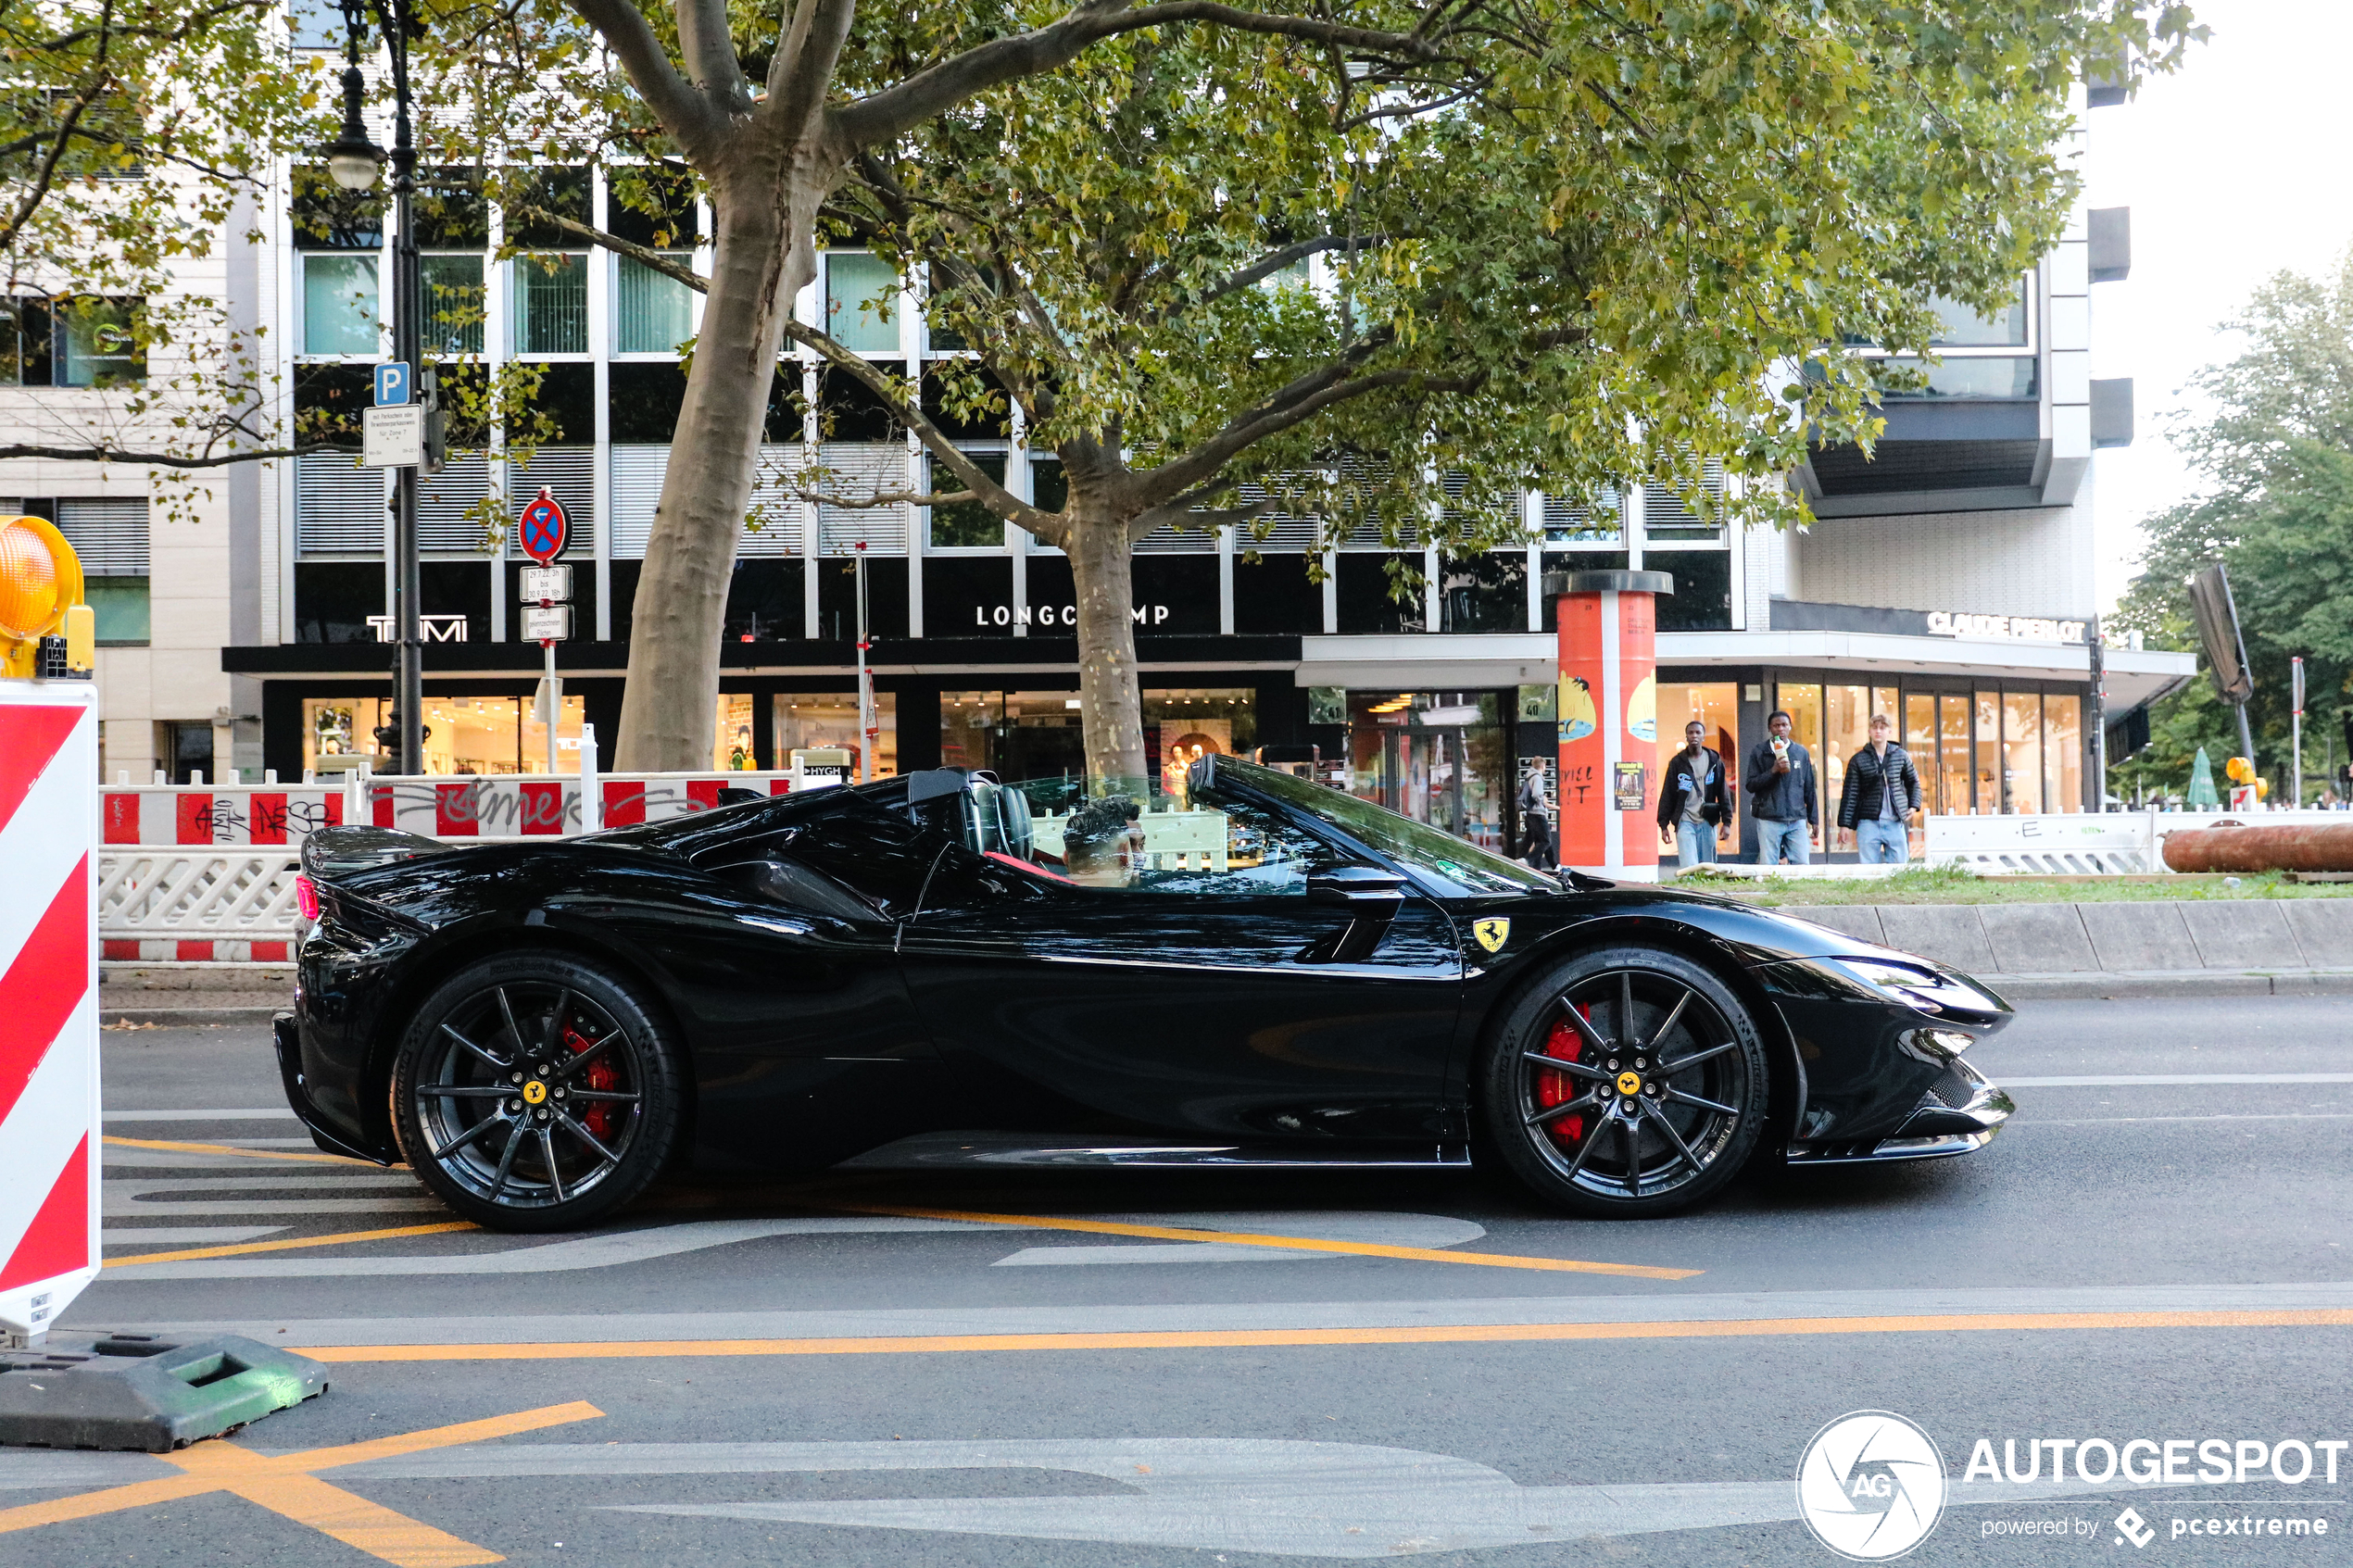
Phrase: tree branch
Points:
(684, 112)
(43, 177)
(928, 94)
(1271, 263)
(986, 491)
(653, 260)
(101, 452)
(710, 52)
(802, 70)
(885, 498)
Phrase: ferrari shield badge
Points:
(1491, 933)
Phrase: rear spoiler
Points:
(345, 851)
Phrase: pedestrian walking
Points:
(1781, 777)
(1535, 819)
(1881, 792)
(1690, 801)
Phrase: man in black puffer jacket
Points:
(1881, 792)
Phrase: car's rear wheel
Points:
(1626, 1082)
(535, 1093)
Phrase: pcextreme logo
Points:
(1870, 1485)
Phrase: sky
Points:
(2236, 169)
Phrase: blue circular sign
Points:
(543, 527)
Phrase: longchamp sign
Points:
(1055, 615)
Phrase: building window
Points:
(339, 312)
(967, 525)
(97, 342)
(467, 734)
(551, 303)
(815, 721)
(653, 314)
(455, 302)
(1960, 327)
(2006, 378)
(109, 538)
(862, 302)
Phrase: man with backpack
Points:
(1882, 790)
(1691, 800)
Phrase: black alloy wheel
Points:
(1626, 1082)
(535, 1093)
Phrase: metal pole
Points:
(407, 323)
(866, 725)
(555, 702)
(2099, 719)
(2296, 735)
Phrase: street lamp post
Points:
(355, 163)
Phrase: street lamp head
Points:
(352, 157)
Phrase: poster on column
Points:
(1584, 787)
(1637, 746)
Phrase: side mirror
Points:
(1362, 889)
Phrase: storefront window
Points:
(1920, 739)
(1953, 761)
(2022, 753)
(731, 742)
(1440, 757)
(803, 721)
(1805, 706)
(1989, 754)
(467, 734)
(1846, 732)
(2063, 752)
(1183, 726)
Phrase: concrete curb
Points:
(184, 1018)
(2158, 983)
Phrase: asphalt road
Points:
(2157, 1247)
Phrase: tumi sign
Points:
(2005, 628)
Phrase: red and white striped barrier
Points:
(515, 806)
(199, 874)
(254, 814)
(49, 999)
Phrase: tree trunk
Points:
(1103, 569)
(760, 261)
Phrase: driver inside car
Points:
(1100, 841)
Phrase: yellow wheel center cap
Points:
(1630, 1082)
(536, 1092)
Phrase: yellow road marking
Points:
(285, 1486)
(249, 1153)
(244, 1247)
(1287, 1243)
(1432, 1333)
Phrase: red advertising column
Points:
(1609, 717)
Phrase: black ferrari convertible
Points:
(942, 969)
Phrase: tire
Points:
(1564, 1132)
(533, 1092)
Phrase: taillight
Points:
(306, 898)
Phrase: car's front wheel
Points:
(1626, 1082)
(533, 1092)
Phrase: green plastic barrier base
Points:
(136, 1391)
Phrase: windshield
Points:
(1465, 867)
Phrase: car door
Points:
(809, 1048)
(1211, 994)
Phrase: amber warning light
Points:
(44, 627)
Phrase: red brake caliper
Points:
(1553, 1088)
(602, 1114)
